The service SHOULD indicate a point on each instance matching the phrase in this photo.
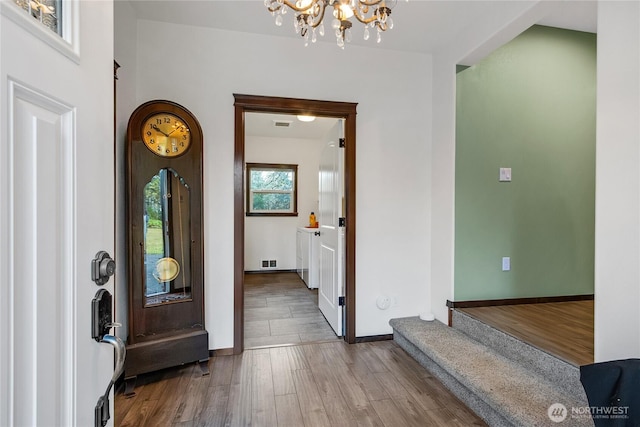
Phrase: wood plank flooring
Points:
(564, 329)
(280, 309)
(321, 384)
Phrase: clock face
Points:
(166, 135)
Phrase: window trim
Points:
(67, 43)
(252, 166)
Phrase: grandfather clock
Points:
(164, 240)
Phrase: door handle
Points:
(101, 324)
(121, 354)
(102, 407)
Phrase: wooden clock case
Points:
(165, 328)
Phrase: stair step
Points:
(500, 390)
(563, 374)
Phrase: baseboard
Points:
(269, 271)
(221, 352)
(372, 338)
(514, 301)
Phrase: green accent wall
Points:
(529, 106)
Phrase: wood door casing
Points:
(266, 104)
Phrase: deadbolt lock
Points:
(102, 267)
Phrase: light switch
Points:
(505, 174)
(506, 263)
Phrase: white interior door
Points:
(57, 210)
(331, 195)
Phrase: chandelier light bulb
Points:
(346, 12)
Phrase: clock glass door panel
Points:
(167, 240)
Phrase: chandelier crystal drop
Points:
(310, 13)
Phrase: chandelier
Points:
(374, 14)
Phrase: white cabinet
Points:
(307, 253)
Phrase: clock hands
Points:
(154, 127)
(179, 127)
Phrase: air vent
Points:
(282, 123)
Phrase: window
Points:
(45, 11)
(272, 189)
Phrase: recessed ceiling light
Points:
(305, 118)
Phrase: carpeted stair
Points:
(505, 381)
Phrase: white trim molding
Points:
(68, 44)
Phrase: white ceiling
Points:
(422, 26)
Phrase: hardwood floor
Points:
(280, 309)
(564, 329)
(321, 384)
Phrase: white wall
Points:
(393, 90)
(274, 238)
(617, 271)
(125, 54)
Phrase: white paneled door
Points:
(57, 209)
(332, 234)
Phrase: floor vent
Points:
(267, 264)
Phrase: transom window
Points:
(272, 189)
(48, 12)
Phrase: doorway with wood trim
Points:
(347, 112)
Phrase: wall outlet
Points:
(506, 263)
(272, 263)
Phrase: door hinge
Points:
(342, 222)
(341, 301)
(342, 143)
